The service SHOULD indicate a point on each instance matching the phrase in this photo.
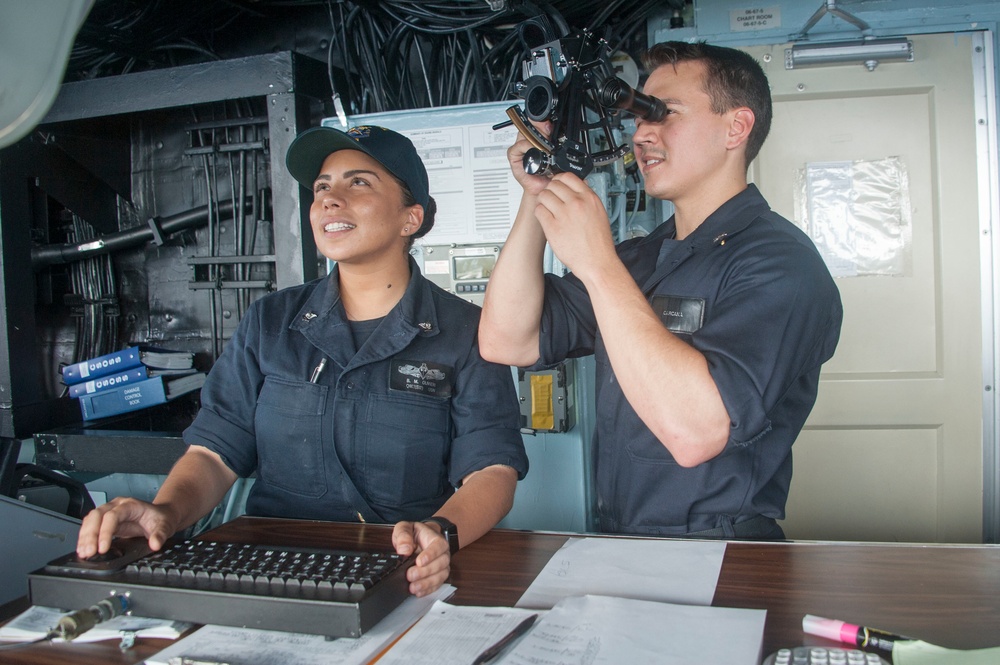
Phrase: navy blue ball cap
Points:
(390, 149)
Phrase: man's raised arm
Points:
(512, 308)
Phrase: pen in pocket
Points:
(318, 370)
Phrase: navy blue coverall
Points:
(386, 432)
(749, 290)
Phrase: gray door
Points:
(881, 167)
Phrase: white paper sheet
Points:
(592, 630)
(453, 635)
(916, 652)
(250, 646)
(673, 571)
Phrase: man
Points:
(709, 333)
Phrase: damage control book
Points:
(138, 395)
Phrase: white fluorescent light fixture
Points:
(867, 52)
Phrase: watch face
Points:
(448, 530)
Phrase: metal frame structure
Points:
(292, 85)
(989, 214)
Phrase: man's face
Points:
(684, 153)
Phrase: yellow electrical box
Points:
(547, 400)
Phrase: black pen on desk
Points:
(318, 370)
(495, 650)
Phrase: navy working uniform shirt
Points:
(749, 291)
(407, 416)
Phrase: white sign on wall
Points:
(754, 18)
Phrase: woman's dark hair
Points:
(429, 211)
(733, 79)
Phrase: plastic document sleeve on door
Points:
(859, 215)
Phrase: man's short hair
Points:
(733, 79)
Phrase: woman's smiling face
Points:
(357, 214)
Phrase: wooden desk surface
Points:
(945, 594)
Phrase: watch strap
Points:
(448, 530)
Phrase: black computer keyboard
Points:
(295, 589)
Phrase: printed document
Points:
(251, 646)
(36, 622)
(672, 571)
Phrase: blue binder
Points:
(110, 363)
(110, 381)
(122, 399)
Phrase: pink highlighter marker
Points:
(849, 633)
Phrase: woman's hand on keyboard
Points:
(195, 485)
(433, 563)
(124, 517)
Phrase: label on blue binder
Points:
(109, 381)
(124, 398)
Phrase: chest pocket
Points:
(289, 427)
(407, 448)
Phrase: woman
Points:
(360, 396)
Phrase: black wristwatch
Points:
(448, 530)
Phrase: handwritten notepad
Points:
(600, 629)
(453, 635)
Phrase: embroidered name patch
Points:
(415, 376)
(680, 314)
